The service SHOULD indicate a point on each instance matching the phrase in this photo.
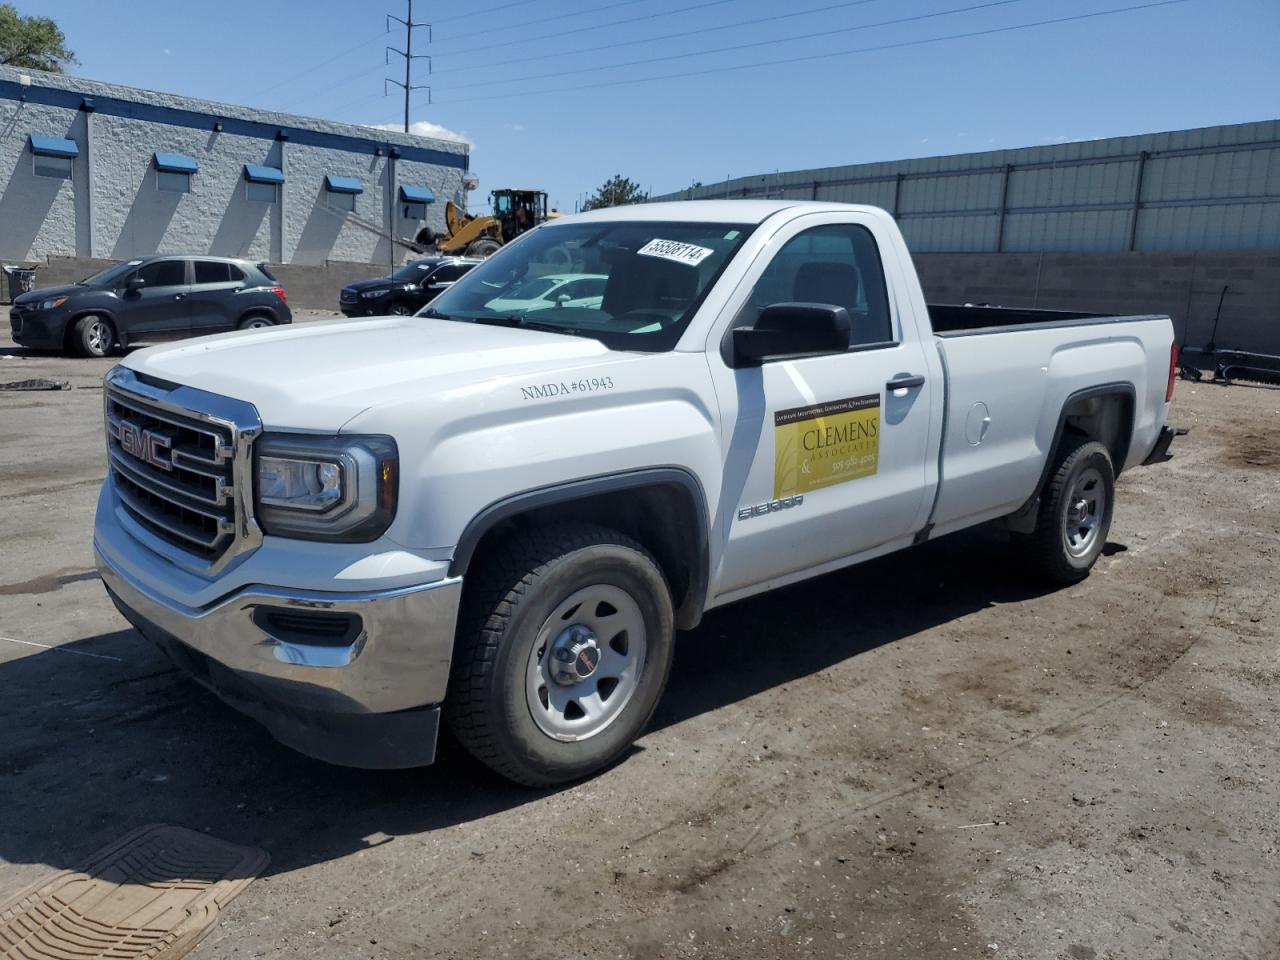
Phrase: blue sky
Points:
(1189, 64)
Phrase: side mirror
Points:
(787, 331)
(563, 299)
(136, 284)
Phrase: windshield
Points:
(634, 285)
(413, 272)
(108, 276)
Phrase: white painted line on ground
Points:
(78, 653)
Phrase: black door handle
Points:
(178, 296)
(904, 383)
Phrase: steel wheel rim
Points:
(399, 310)
(99, 337)
(586, 708)
(257, 324)
(1086, 506)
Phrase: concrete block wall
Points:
(1184, 285)
(40, 216)
(112, 206)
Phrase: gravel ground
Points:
(925, 756)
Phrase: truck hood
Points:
(317, 376)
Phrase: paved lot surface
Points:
(924, 757)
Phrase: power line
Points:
(670, 36)
(827, 56)
(740, 46)
(559, 16)
(364, 43)
(596, 26)
(649, 16)
(323, 63)
(477, 13)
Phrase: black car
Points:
(407, 290)
(149, 299)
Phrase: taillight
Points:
(1173, 372)
(279, 292)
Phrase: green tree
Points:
(616, 193)
(33, 42)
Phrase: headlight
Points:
(326, 488)
(372, 294)
(53, 304)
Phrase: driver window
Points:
(836, 264)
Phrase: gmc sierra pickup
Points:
(499, 511)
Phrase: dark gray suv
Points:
(149, 299)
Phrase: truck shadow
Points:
(103, 735)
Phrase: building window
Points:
(172, 182)
(58, 168)
(342, 192)
(415, 211)
(256, 192)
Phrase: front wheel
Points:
(94, 336)
(1075, 511)
(563, 651)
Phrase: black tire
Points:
(255, 321)
(1082, 469)
(484, 247)
(94, 336)
(517, 588)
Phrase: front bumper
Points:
(367, 697)
(35, 329)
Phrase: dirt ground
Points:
(929, 756)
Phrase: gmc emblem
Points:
(147, 445)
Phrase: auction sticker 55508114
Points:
(824, 444)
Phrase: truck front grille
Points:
(183, 476)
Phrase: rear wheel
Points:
(255, 322)
(563, 652)
(1076, 506)
(484, 247)
(94, 336)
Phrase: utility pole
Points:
(409, 56)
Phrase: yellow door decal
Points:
(825, 444)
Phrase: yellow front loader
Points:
(514, 211)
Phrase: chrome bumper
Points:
(368, 698)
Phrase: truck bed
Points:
(953, 319)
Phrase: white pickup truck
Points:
(501, 516)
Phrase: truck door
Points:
(826, 455)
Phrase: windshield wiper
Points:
(520, 320)
(433, 314)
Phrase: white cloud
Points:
(425, 128)
(167, 51)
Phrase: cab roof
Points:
(712, 211)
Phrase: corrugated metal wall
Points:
(1216, 188)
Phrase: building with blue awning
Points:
(102, 171)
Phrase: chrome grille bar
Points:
(180, 462)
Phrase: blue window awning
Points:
(342, 184)
(255, 173)
(176, 163)
(54, 147)
(410, 194)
